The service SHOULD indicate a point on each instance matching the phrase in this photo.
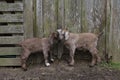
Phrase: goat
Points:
(74, 41)
(37, 44)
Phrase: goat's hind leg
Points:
(98, 59)
(24, 57)
(93, 52)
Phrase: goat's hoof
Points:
(71, 64)
(24, 69)
(47, 64)
(52, 60)
(91, 65)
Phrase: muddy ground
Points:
(59, 70)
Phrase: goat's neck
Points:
(50, 40)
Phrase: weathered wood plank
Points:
(89, 16)
(94, 15)
(73, 15)
(11, 39)
(53, 16)
(28, 18)
(67, 14)
(61, 13)
(114, 31)
(84, 27)
(49, 17)
(11, 7)
(107, 30)
(99, 20)
(12, 29)
(10, 51)
(11, 18)
(10, 62)
(39, 18)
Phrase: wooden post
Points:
(28, 18)
(39, 18)
(114, 32)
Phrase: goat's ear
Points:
(66, 28)
(54, 34)
(67, 34)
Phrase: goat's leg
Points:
(51, 56)
(98, 57)
(94, 57)
(72, 52)
(24, 57)
(45, 53)
(23, 64)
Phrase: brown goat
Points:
(37, 44)
(74, 41)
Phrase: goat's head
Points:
(63, 34)
(54, 37)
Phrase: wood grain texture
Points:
(114, 31)
(73, 15)
(11, 29)
(28, 18)
(39, 30)
(11, 18)
(10, 62)
(39, 18)
(49, 20)
(11, 39)
(11, 7)
(10, 51)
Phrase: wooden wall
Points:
(113, 30)
(82, 16)
(45, 17)
(22, 19)
(16, 24)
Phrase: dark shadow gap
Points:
(10, 34)
(2, 35)
(12, 12)
(8, 56)
(8, 45)
(1, 12)
(10, 1)
(3, 24)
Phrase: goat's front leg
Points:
(45, 53)
(51, 56)
(72, 52)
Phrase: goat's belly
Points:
(35, 49)
(81, 46)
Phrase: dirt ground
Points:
(59, 70)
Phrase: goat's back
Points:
(83, 39)
(34, 44)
